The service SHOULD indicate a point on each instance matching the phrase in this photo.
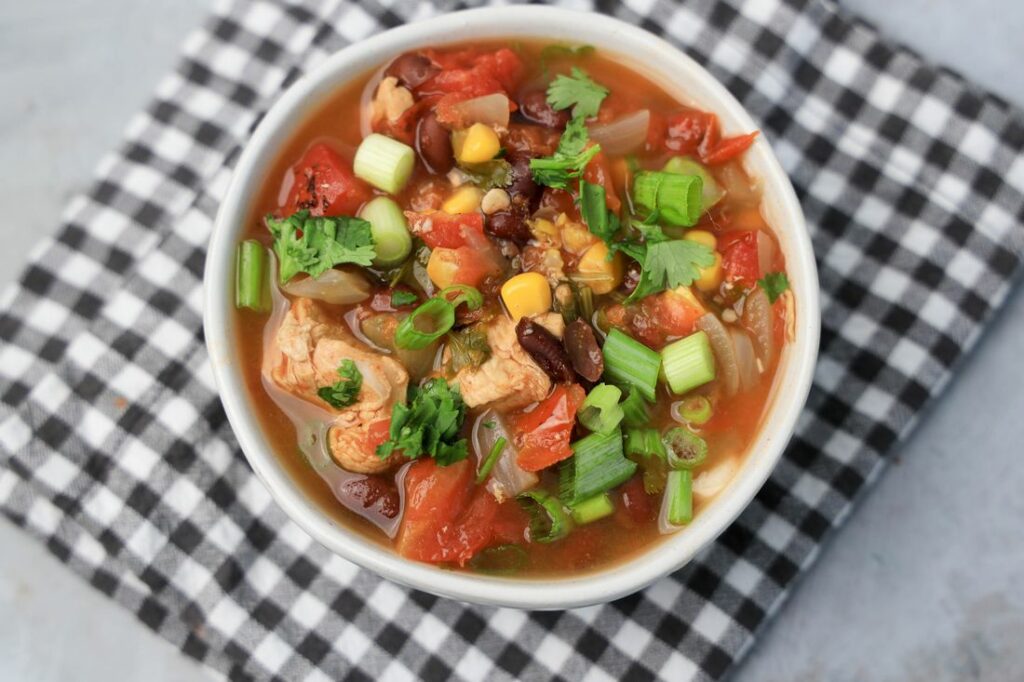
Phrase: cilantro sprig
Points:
(428, 424)
(569, 159)
(665, 263)
(343, 392)
(774, 284)
(315, 245)
(578, 91)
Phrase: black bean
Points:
(584, 353)
(535, 108)
(522, 179)
(508, 224)
(411, 69)
(434, 144)
(545, 349)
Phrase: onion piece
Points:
(746, 359)
(710, 482)
(757, 318)
(622, 135)
(507, 479)
(492, 110)
(737, 185)
(340, 287)
(725, 354)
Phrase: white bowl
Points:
(680, 76)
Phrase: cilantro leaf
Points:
(428, 424)
(345, 391)
(774, 284)
(569, 159)
(667, 264)
(400, 297)
(315, 245)
(600, 221)
(552, 52)
(469, 348)
(577, 91)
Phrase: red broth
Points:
(439, 513)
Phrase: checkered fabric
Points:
(115, 452)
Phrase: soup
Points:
(510, 310)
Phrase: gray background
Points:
(925, 582)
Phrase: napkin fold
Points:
(115, 452)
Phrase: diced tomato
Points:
(464, 265)
(664, 316)
(377, 433)
(728, 149)
(448, 518)
(598, 172)
(739, 257)
(475, 75)
(444, 230)
(636, 506)
(687, 129)
(324, 184)
(542, 434)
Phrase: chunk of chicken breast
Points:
(304, 356)
(509, 378)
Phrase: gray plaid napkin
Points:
(115, 452)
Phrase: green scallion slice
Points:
(670, 198)
(592, 509)
(679, 497)
(499, 560)
(629, 362)
(634, 409)
(600, 411)
(251, 276)
(390, 231)
(696, 410)
(711, 193)
(644, 447)
(491, 459)
(597, 465)
(685, 450)
(548, 520)
(688, 363)
(457, 294)
(384, 163)
(426, 324)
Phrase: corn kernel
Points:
(599, 272)
(576, 237)
(442, 267)
(544, 231)
(465, 199)
(477, 144)
(710, 277)
(526, 294)
(701, 237)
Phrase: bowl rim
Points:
(792, 382)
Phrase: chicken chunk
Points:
(509, 378)
(391, 100)
(304, 356)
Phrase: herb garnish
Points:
(666, 263)
(345, 391)
(400, 297)
(774, 284)
(428, 424)
(315, 245)
(578, 91)
(569, 159)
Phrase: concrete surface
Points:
(926, 582)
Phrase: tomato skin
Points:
(729, 148)
(686, 130)
(470, 73)
(739, 257)
(598, 172)
(443, 230)
(542, 434)
(448, 518)
(664, 316)
(325, 185)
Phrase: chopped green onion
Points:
(390, 231)
(384, 163)
(600, 411)
(499, 560)
(644, 447)
(711, 193)
(629, 362)
(688, 363)
(437, 314)
(400, 298)
(491, 459)
(696, 410)
(679, 497)
(597, 465)
(457, 294)
(592, 509)
(585, 302)
(685, 450)
(670, 198)
(548, 520)
(251, 276)
(634, 409)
